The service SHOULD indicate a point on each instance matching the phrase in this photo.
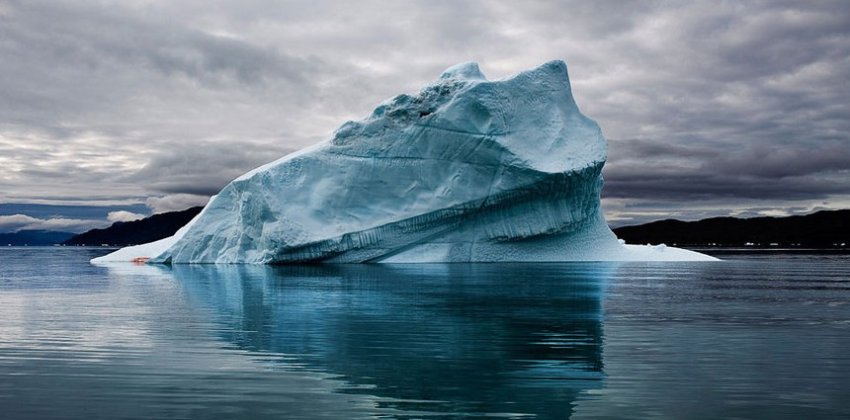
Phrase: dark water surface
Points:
(761, 337)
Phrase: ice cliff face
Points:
(466, 170)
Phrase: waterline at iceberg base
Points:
(467, 170)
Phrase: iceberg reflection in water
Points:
(427, 339)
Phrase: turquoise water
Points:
(756, 336)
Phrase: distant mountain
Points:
(141, 231)
(34, 238)
(824, 229)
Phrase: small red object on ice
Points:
(141, 260)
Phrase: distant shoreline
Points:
(820, 230)
(824, 230)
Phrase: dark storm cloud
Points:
(187, 170)
(710, 107)
(671, 186)
(63, 59)
(656, 169)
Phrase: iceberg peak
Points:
(465, 170)
(553, 70)
(463, 71)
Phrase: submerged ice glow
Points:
(467, 170)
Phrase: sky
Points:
(114, 110)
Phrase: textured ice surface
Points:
(466, 170)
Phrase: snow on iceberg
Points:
(468, 170)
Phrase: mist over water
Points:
(744, 337)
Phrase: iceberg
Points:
(467, 170)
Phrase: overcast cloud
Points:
(710, 108)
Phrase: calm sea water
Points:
(755, 336)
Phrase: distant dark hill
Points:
(34, 238)
(141, 231)
(824, 229)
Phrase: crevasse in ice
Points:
(467, 170)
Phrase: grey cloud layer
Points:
(708, 105)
